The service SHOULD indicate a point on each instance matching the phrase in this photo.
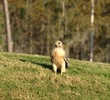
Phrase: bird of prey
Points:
(58, 58)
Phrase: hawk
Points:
(58, 58)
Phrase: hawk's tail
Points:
(66, 62)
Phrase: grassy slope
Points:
(30, 77)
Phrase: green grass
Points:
(30, 77)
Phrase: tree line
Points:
(37, 24)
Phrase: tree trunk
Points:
(48, 33)
(92, 31)
(8, 28)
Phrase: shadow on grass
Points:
(45, 65)
(41, 64)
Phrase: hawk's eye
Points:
(59, 42)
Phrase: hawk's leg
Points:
(63, 69)
(55, 69)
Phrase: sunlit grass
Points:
(30, 77)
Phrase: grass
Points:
(30, 77)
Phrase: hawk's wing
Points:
(66, 62)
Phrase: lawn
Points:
(30, 77)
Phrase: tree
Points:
(92, 33)
(8, 28)
(37, 24)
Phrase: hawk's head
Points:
(59, 44)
